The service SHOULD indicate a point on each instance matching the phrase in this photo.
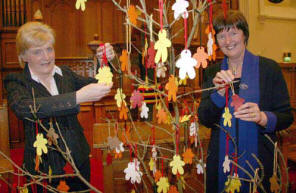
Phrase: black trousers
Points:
(74, 183)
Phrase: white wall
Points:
(272, 35)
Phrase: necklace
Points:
(234, 68)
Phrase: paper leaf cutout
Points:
(163, 185)
(157, 176)
(193, 129)
(80, 4)
(177, 165)
(120, 148)
(68, 168)
(161, 46)
(119, 97)
(186, 64)
(161, 70)
(37, 163)
(162, 116)
(132, 172)
(24, 190)
(180, 8)
(232, 185)
(52, 136)
(124, 60)
(152, 164)
(104, 75)
(151, 56)
(63, 186)
(227, 117)
(274, 185)
(200, 167)
(40, 144)
(183, 81)
(237, 101)
(172, 88)
(123, 111)
(226, 164)
(113, 142)
(144, 111)
(132, 15)
(185, 118)
(188, 155)
(136, 99)
(211, 46)
(201, 57)
(117, 155)
(173, 189)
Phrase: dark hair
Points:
(233, 19)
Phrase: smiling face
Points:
(232, 42)
(41, 59)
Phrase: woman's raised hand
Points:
(222, 77)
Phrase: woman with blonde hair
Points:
(56, 92)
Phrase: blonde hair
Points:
(32, 34)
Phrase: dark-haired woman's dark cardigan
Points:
(62, 108)
(274, 97)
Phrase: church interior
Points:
(81, 26)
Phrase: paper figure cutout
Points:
(173, 189)
(119, 97)
(157, 175)
(193, 129)
(183, 81)
(132, 172)
(227, 117)
(68, 168)
(40, 144)
(211, 45)
(133, 14)
(233, 184)
(172, 88)
(154, 152)
(186, 64)
(136, 99)
(104, 75)
(124, 61)
(163, 185)
(152, 165)
(237, 101)
(144, 111)
(180, 8)
(200, 167)
(113, 142)
(161, 70)
(151, 56)
(162, 116)
(63, 187)
(177, 165)
(123, 111)
(185, 118)
(274, 185)
(226, 164)
(188, 155)
(161, 46)
(24, 190)
(120, 148)
(201, 57)
(80, 4)
(52, 136)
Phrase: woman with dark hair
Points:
(266, 108)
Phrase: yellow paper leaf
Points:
(177, 165)
(104, 75)
(163, 185)
(227, 117)
(232, 185)
(274, 185)
(40, 144)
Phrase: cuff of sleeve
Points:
(271, 122)
(217, 99)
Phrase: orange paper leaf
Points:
(63, 186)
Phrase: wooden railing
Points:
(13, 12)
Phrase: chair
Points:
(5, 166)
